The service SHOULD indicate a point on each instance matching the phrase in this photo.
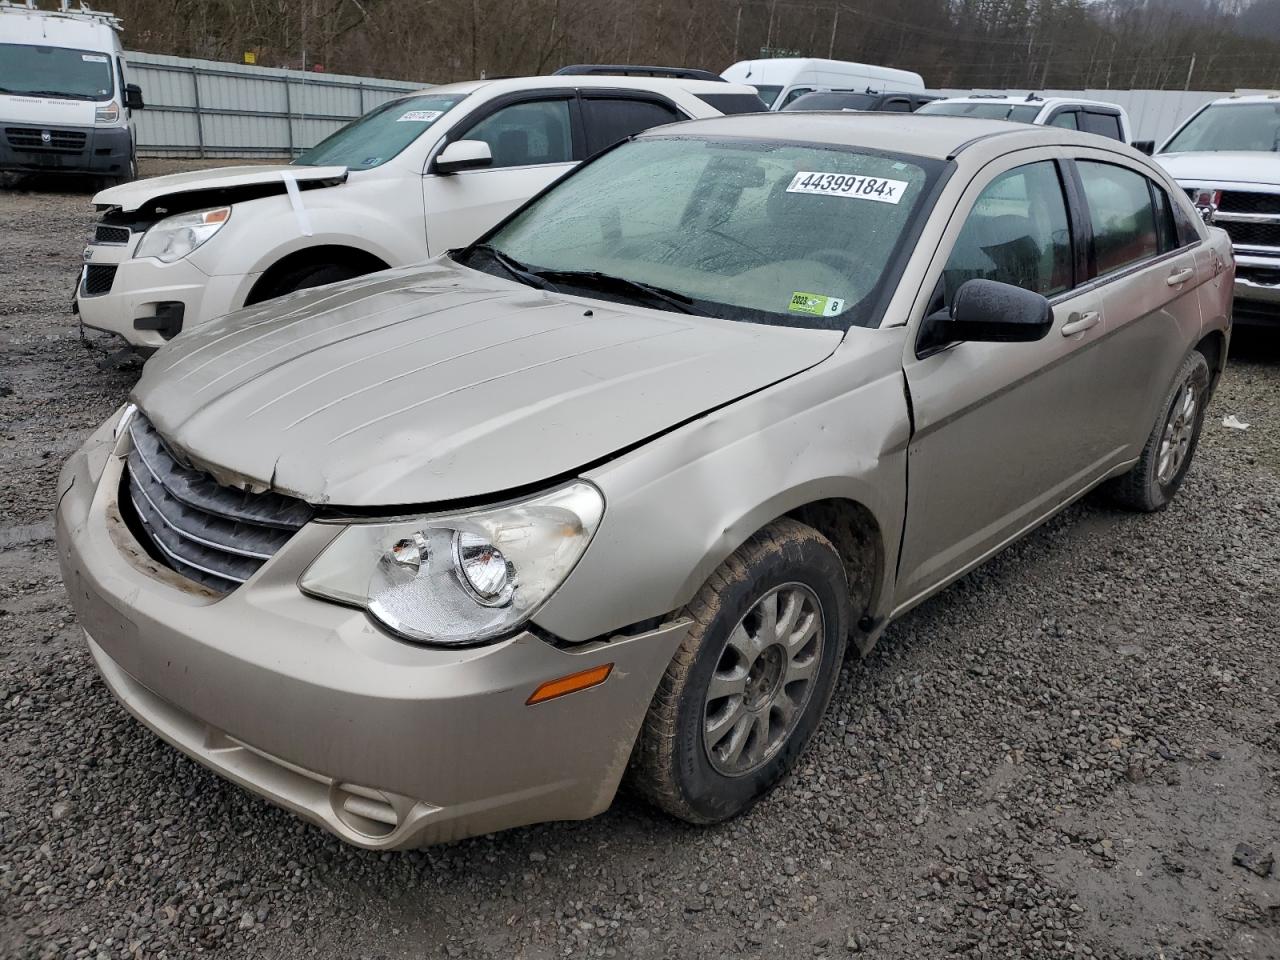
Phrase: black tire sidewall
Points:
(709, 793)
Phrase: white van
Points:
(782, 79)
(64, 104)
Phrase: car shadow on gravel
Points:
(39, 183)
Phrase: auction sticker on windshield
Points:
(880, 189)
(420, 116)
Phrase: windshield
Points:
(1230, 126)
(55, 72)
(834, 101)
(768, 93)
(380, 134)
(996, 110)
(766, 232)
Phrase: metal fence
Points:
(1153, 114)
(202, 108)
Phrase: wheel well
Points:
(854, 532)
(1212, 346)
(360, 260)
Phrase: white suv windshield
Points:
(55, 72)
(1230, 126)
(763, 231)
(996, 110)
(380, 134)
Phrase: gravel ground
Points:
(1057, 757)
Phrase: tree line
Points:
(1041, 44)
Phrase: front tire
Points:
(1166, 457)
(748, 687)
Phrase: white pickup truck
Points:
(1226, 157)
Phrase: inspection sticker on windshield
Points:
(879, 189)
(815, 304)
(420, 116)
(92, 58)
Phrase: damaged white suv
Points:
(414, 177)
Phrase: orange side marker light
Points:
(570, 684)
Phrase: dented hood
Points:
(437, 383)
(221, 180)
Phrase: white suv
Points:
(415, 177)
(1089, 116)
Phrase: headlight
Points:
(122, 425)
(107, 113)
(463, 578)
(174, 237)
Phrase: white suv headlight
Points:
(463, 578)
(174, 237)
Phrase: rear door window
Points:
(1125, 229)
(897, 105)
(610, 119)
(1103, 124)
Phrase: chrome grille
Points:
(105, 233)
(1241, 201)
(215, 535)
(1251, 234)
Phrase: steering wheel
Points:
(858, 271)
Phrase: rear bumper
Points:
(384, 743)
(98, 150)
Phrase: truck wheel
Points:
(746, 690)
(1159, 472)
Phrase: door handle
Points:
(1080, 323)
(1179, 277)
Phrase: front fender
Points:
(678, 506)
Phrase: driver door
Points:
(1003, 431)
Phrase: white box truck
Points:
(779, 80)
(65, 105)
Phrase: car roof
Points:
(1041, 102)
(579, 81)
(934, 136)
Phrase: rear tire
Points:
(748, 687)
(1159, 472)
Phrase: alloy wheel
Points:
(763, 680)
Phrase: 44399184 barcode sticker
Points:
(879, 189)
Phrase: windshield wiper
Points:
(512, 266)
(608, 282)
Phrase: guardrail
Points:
(203, 108)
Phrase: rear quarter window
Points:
(730, 103)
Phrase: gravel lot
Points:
(1057, 757)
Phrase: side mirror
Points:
(463, 155)
(1144, 146)
(133, 97)
(991, 312)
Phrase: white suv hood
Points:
(436, 383)
(131, 196)
(1254, 166)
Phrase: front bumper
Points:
(131, 297)
(1257, 289)
(384, 743)
(98, 150)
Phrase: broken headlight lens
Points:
(463, 578)
(174, 237)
